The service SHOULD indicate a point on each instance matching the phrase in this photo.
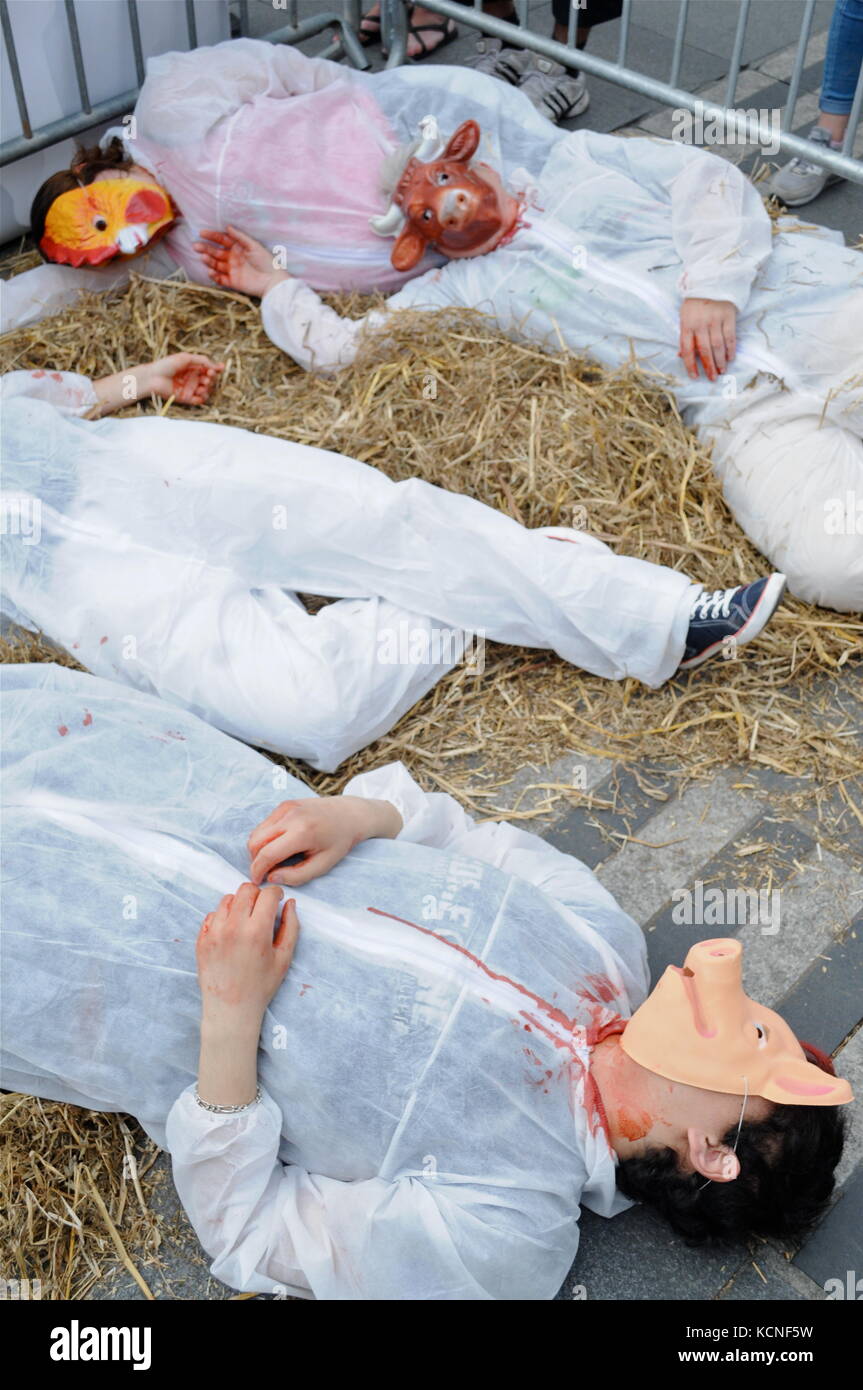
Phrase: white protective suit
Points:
(168, 554)
(430, 1126)
(616, 232)
(290, 149)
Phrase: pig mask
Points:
(459, 208)
(698, 1027)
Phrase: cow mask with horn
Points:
(442, 200)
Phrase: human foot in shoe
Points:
(729, 618)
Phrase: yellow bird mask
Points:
(106, 218)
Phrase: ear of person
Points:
(710, 1157)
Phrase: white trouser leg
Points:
(317, 522)
(252, 662)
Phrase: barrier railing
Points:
(394, 24)
(32, 139)
(743, 125)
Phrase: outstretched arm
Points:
(187, 376)
(293, 315)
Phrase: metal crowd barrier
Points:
(90, 114)
(394, 25)
(394, 21)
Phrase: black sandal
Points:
(372, 34)
(447, 27)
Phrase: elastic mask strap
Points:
(739, 1128)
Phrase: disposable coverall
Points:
(290, 149)
(168, 554)
(615, 234)
(429, 1126)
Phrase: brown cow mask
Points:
(459, 209)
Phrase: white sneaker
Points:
(555, 91)
(800, 181)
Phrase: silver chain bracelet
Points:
(229, 1109)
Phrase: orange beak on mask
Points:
(699, 1028)
(103, 219)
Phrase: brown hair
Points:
(86, 165)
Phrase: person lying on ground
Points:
(170, 554)
(412, 1074)
(621, 249)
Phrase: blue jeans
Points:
(843, 58)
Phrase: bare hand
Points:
(323, 829)
(707, 333)
(238, 262)
(187, 376)
(241, 962)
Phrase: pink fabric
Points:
(253, 170)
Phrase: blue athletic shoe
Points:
(728, 618)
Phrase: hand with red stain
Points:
(708, 333)
(244, 952)
(316, 832)
(188, 377)
(238, 262)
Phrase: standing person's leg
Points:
(558, 92)
(800, 181)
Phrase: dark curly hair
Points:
(86, 165)
(787, 1162)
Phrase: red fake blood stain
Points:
(38, 374)
(88, 719)
(599, 989)
(75, 646)
(633, 1124)
(55, 376)
(102, 641)
(304, 988)
(175, 733)
(596, 1117)
(62, 730)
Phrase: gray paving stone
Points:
(637, 1256)
(817, 907)
(835, 1251)
(730, 871)
(679, 838)
(781, 63)
(532, 787)
(577, 832)
(848, 1062)
(768, 1276)
(711, 26)
(826, 1003)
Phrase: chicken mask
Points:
(444, 201)
(698, 1027)
(106, 218)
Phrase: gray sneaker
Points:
(800, 181)
(497, 60)
(556, 92)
